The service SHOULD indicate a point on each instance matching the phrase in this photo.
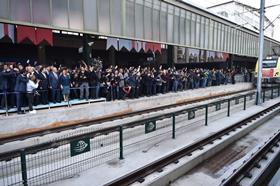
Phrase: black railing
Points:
(61, 158)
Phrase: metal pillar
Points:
(261, 42)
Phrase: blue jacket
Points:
(21, 82)
(64, 80)
(53, 81)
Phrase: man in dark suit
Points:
(5, 74)
(20, 89)
(40, 74)
(54, 85)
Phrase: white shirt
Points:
(31, 86)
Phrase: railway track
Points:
(244, 171)
(57, 129)
(157, 166)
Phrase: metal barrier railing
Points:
(74, 95)
(62, 158)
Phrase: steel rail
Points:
(244, 170)
(141, 173)
(56, 129)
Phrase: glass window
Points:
(148, 19)
(269, 63)
(202, 56)
(139, 19)
(222, 41)
(207, 29)
(20, 10)
(218, 42)
(181, 54)
(41, 11)
(193, 55)
(193, 29)
(188, 28)
(163, 22)
(76, 14)
(156, 14)
(228, 39)
(197, 33)
(116, 27)
(4, 5)
(59, 13)
(130, 18)
(215, 33)
(90, 15)
(210, 56)
(170, 24)
(202, 32)
(211, 34)
(104, 17)
(182, 28)
(176, 25)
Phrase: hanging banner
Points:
(7, 30)
(149, 47)
(139, 46)
(134, 45)
(112, 42)
(43, 34)
(35, 35)
(157, 47)
(26, 32)
(124, 43)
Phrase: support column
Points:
(41, 55)
(170, 56)
(230, 62)
(112, 57)
(86, 49)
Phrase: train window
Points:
(270, 63)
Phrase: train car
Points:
(270, 70)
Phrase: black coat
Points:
(4, 79)
(44, 80)
(21, 82)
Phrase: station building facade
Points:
(124, 32)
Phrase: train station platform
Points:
(56, 117)
(154, 150)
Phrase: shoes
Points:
(33, 112)
(21, 112)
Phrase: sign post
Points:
(79, 146)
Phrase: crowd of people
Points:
(31, 85)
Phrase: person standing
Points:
(54, 85)
(83, 82)
(43, 85)
(65, 83)
(5, 75)
(20, 89)
(30, 87)
(94, 83)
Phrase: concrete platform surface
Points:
(69, 116)
(155, 150)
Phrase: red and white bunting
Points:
(7, 30)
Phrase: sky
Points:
(271, 13)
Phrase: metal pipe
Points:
(261, 42)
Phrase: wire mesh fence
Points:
(59, 160)
(66, 157)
